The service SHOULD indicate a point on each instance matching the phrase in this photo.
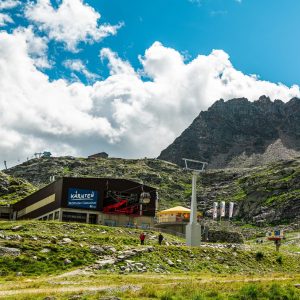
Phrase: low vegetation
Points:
(66, 260)
(264, 195)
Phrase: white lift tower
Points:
(193, 229)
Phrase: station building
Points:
(112, 202)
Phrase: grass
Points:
(194, 286)
(42, 251)
(197, 273)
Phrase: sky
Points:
(79, 77)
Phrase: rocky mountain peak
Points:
(240, 133)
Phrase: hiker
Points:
(277, 244)
(142, 238)
(160, 238)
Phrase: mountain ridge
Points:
(237, 133)
(263, 195)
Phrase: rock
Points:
(66, 241)
(16, 237)
(6, 251)
(45, 250)
(112, 249)
(121, 257)
(17, 228)
(170, 263)
(97, 250)
(139, 265)
(106, 262)
(67, 261)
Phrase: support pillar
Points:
(193, 229)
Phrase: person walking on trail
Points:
(160, 238)
(142, 238)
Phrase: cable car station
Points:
(112, 202)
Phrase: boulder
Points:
(6, 251)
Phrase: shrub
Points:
(259, 256)
(250, 292)
(279, 260)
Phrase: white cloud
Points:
(5, 19)
(37, 46)
(123, 114)
(78, 66)
(72, 22)
(9, 4)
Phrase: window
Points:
(92, 219)
(74, 217)
(56, 215)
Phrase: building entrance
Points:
(92, 219)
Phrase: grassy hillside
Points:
(81, 261)
(13, 189)
(268, 194)
(50, 247)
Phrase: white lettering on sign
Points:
(79, 196)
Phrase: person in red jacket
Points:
(142, 238)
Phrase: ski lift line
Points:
(138, 186)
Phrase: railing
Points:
(172, 219)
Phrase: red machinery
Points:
(123, 206)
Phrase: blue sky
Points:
(75, 83)
(261, 37)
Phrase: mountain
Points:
(265, 194)
(240, 133)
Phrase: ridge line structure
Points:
(193, 228)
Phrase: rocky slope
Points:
(240, 133)
(267, 194)
(41, 248)
(13, 189)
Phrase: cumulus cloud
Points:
(37, 46)
(5, 19)
(9, 4)
(76, 65)
(71, 23)
(124, 114)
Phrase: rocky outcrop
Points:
(240, 133)
(13, 189)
